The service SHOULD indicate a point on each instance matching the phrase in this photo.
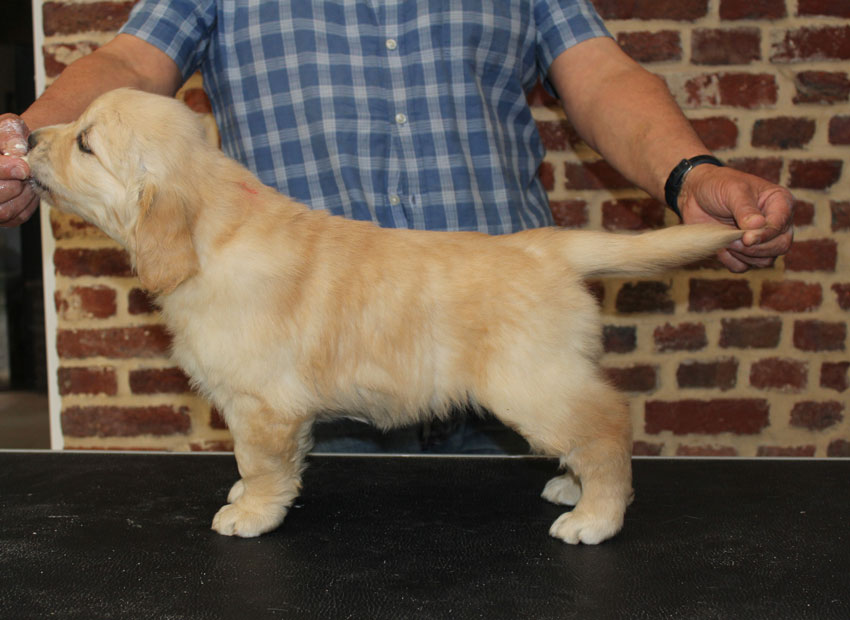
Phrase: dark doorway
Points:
(23, 365)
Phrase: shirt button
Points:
(394, 199)
(400, 118)
(392, 44)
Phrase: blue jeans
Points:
(461, 434)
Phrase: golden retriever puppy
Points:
(281, 314)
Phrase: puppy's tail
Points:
(595, 254)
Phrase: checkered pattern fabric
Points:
(409, 113)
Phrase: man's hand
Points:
(760, 208)
(17, 200)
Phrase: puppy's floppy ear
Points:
(165, 256)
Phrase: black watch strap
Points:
(677, 178)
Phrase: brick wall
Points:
(715, 363)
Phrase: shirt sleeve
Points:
(560, 25)
(180, 28)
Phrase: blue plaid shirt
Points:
(409, 113)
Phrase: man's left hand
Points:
(762, 209)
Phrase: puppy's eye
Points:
(83, 146)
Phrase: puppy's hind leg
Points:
(270, 456)
(592, 437)
(600, 457)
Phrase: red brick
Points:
(547, 176)
(750, 333)
(679, 10)
(94, 380)
(838, 448)
(197, 100)
(746, 90)
(637, 378)
(842, 294)
(812, 255)
(558, 135)
(837, 8)
(783, 132)
(62, 18)
(682, 337)
(86, 302)
(742, 416)
(67, 226)
(814, 173)
(635, 297)
(840, 212)
(740, 90)
(786, 451)
(706, 451)
(817, 416)
(569, 213)
(59, 55)
(821, 87)
(619, 339)
(839, 130)
(715, 46)
(594, 175)
(765, 167)
(633, 214)
(728, 294)
(644, 448)
(814, 335)
(790, 296)
(159, 381)
(647, 47)
(117, 343)
(815, 43)
(752, 9)
(74, 262)
(804, 213)
(216, 419)
(717, 133)
(779, 374)
(140, 302)
(719, 374)
(113, 421)
(834, 376)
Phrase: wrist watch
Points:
(677, 178)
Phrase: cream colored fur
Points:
(281, 314)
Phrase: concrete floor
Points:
(24, 421)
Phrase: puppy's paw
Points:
(247, 519)
(563, 490)
(236, 491)
(578, 527)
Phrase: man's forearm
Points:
(126, 61)
(625, 113)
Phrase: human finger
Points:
(22, 215)
(13, 135)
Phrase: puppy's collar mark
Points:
(244, 185)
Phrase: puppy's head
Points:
(125, 166)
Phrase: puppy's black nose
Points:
(32, 140)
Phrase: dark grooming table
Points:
(99, 535)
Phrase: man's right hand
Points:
(17, 200)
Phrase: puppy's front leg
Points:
(271, 461)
